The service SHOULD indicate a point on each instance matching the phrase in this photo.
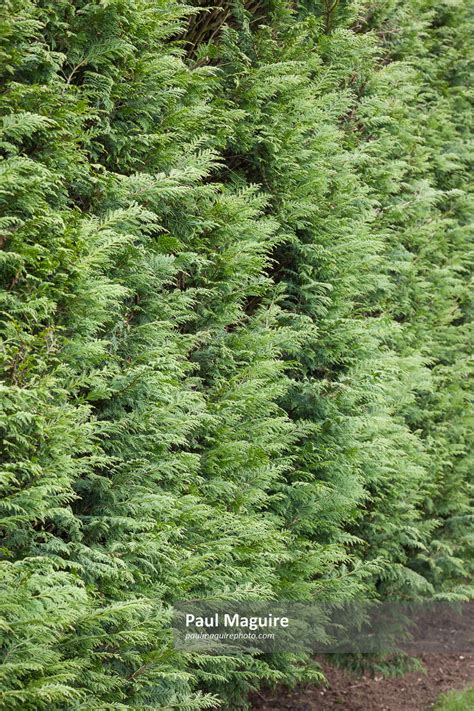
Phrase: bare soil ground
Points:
(416, 691)
(447, 669)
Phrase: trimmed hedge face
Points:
(235, 324)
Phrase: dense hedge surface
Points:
(235, 328)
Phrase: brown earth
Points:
(415, 691)
(443, 633)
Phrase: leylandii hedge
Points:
(235, 328)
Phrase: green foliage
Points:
(235, 329)
(456, 701)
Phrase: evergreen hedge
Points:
(235, 328)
